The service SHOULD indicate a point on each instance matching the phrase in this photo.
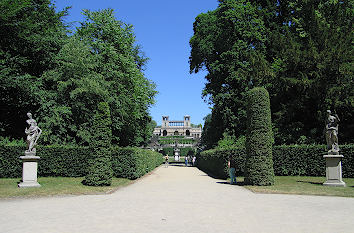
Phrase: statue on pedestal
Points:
(331, 132)
(33, 132)
(333, 158)
(30, 160)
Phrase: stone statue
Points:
(33, 132)
(331, 132)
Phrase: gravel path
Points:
(179, 199)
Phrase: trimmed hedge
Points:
(259, 161)
(184, 151)
(133, 163)
(307, 160)
(214, 162)
(294, 160)
(70, 161)
(100, 161)
(179, 141)
(10, 163)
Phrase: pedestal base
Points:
(29, 171)
(28, 185)
(334, 170)
(334, 184)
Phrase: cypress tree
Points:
(259, 162)
(100, 166)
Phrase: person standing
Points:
(166, 160)
(186, 160)
(232, 170)
(193, 161)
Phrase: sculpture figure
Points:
(332, 133)
(33, 132)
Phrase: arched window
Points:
(164, 133)
(188, 133)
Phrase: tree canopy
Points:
(301, 51)
(61, 77)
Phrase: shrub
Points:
(187, 151)
(293, 160)
(168, 150)
(99, 165)
(214, 161)
(71, 161)
(10, 163)
(184, 151)
(133, 163)
(67, 161)
(307, 160)
(259, 139)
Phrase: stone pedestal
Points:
(334, 170)
(29, 170)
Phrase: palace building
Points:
(178, 128)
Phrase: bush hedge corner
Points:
(259, 162)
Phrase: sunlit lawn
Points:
(54, 186)
(303, 185)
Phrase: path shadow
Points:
(309, 182)
(222, 182)
(241, 183)
(177, 165)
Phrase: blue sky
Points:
(163, 29)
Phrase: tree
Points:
(74, 89)
(299, 50)
(229, 43)
(31, 34)
(61, 79)
(311, 54)
(211, 133)
(120, 64)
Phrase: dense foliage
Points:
(294, 160)
(214, 161)
(61, 77)
(184, 151)
(71, 161)
(31, 34)
(259, 139)
(133, 163)
(100, 161)
(301, 51)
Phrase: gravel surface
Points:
(179, 199)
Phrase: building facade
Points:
(178, 128)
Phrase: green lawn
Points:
(303, 185)
(53, 186)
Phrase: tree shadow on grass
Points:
(309, 182)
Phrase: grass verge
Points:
(303, 185)
(56, 186)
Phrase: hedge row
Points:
(183, 151)
(179, 141)
(214, 161)
(69, 161)
(295, 160)
(133, 163)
